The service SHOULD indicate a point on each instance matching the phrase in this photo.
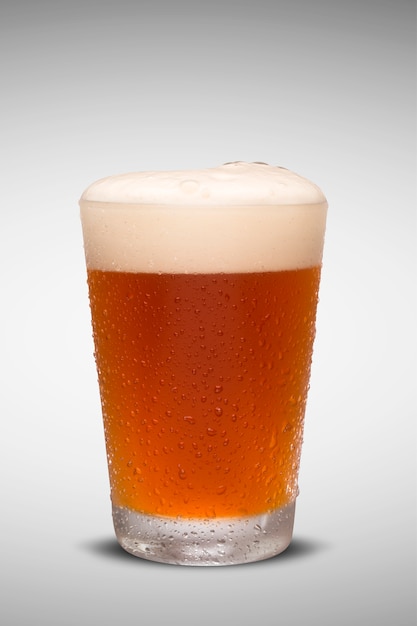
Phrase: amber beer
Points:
(203, 307)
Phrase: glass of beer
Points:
(203, 288)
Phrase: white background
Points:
(325, 88)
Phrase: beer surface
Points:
(203, 381)
(238, 183)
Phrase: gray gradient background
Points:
(325, 88)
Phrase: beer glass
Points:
(203, 288)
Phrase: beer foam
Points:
(239, 217)
(233, 183)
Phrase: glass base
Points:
(224, 541)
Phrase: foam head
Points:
(239, 217)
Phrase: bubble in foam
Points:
(238, 217)
(189, 186)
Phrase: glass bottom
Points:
(224, 541)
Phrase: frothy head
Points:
(232, 184)
(239, 217)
